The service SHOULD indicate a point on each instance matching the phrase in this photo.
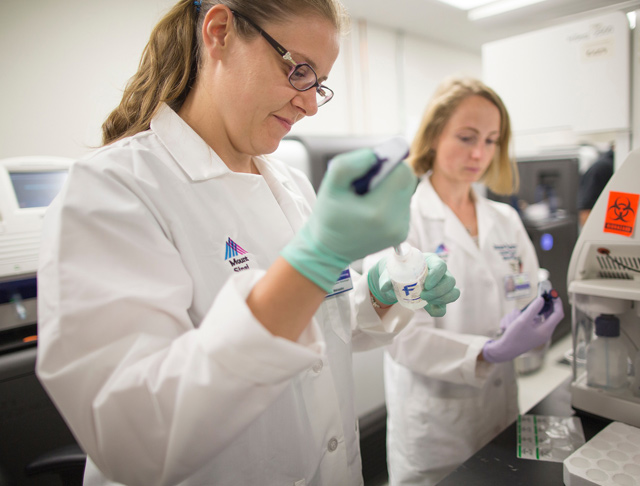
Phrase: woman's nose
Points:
(478, 151)
(306, 101)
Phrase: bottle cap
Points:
(607, 325)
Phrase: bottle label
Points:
(408, 292)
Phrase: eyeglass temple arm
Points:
(286, 55)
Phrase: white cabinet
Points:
(573, 77)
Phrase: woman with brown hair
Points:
(196, 317)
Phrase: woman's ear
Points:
(216, 27)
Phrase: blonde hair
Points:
(502, 174)
(169, 63)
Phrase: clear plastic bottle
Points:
(607, 358)
(407, 270)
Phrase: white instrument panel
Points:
(27, 187)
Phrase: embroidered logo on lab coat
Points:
(236, 256)
(442, 251)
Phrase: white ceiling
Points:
(442, 23)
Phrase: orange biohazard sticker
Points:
(622, 212)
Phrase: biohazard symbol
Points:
(622, 209)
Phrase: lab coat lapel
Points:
(455, 230)
(186, 146)
(431, 204)
(294, 206)
(485, 222)
(190, 152)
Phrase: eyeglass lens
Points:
(303, 77)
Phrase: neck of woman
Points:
(459, 198)
(453, 194)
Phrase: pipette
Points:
(389, 155)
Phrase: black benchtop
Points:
(496, 464)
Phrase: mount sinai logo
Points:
(236, 256)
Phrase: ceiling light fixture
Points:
(498, 7)
(466, 4)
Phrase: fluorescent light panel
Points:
(498, 7)
(466, 4)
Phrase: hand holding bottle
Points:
(508, 319)
(436, 291)
(523, 331)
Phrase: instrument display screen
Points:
(37, 189)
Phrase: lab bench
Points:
(496, 464)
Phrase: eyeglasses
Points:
(302, 76)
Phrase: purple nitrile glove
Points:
(507, 320)
(525, 332)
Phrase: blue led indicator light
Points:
(546, 242)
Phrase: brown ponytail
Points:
(165, 74)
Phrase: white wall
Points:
(65, 63)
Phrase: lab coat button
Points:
(497, 382)
(317, 367)
(333, 444)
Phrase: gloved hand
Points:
(508, 319)
(438, 290)
(345, 226)
(525, 332)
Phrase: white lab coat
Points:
(147, 346)
(443, 405)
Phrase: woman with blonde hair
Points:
(450, 382)
(196, 316)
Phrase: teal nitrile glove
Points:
(380, 284)
(439, 287)
(345, 226)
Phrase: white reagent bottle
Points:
(407, 270)
(607, 355)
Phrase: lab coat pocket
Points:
(338, 313)
(302, 482)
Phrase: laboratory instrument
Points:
(32, 425)
(388, 155)
(407, 270)
(604, 279)
(27, 186)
